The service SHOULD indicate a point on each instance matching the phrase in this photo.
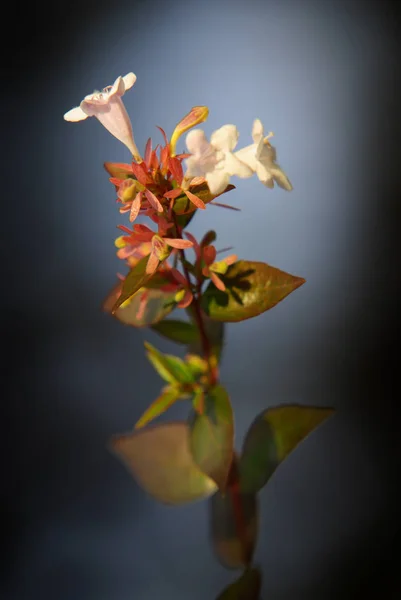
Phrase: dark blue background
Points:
(325, 78)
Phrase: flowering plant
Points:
(180, 462)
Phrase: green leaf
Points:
(177, 331)
(171, 368)
(169, 396)
(247, 587)
(160, 460)
(251, 289)
(212, 436)
(270, 439)
(234, 520)
(135, 279)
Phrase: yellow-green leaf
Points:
(171, 368)
(212, 436)
(167, 398)
(135, 280)
(251, 289)
(160, 460)
(270, 439)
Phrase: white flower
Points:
(261, 158)
(108, 107)
(215, 160)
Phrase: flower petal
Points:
(187, 299)
(178, 243)
(195, 200)
(281, 178)
(152, 264)
(257, 131)
(153, 201)
(225, 138)
(234, 166)
(217, 181)
(129, 80)
(135, 207)
(75, 114)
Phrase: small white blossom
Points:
(109, 109)
(215, 160)
(261, 158)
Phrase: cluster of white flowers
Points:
(216, 160)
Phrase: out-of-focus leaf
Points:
(177, 331)
(234, 519)
(212, 436)
(247, 587)
(168, 397)
(135, 280)
(171, 368)
(271, 438)
(160, 460)
(251, 289)
(147, 307)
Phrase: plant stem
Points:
(233, 486)
(206, 347)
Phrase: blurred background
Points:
(324, 76)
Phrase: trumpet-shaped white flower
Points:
(215, 160)
(108, 107)
(261, 158)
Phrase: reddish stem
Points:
(233, 486)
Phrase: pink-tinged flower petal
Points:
(75, 114)
(173, 193)
(152, 264)
(153, 201)
(175, 167)
(125, 252)
(230, 260)
(187, 299)
(154, 161)
(114, 117)
(217, 281)
(135, 207)
(196, 246)
(195, 200)
(125, 229)
(179, 277)
(164, 136)
(140, 172)
(197, 181)
(139, 228)
(178, 243)
(148, 152)
(213, 203)
(164, 156)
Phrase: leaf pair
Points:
(182, 378)
(273, 435)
